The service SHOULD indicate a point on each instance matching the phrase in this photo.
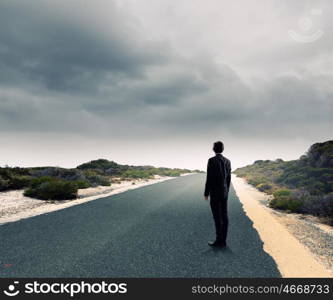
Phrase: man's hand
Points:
(206, 198)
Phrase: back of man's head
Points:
(218, 147)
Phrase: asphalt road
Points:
(159, 230)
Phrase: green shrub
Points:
(4, 184)
(286, 203)
(136, 174)
(282, 193)
(263, 187)
(102, 180)
(82, 184)
(171, 173)
(35, 182)
(19, 182)
(102, 164)
(256, 180)
(52, 189)
(285, 200)
(105, 167)
(94, 179)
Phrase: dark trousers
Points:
(218, 204)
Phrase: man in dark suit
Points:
(217, 188)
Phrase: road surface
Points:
(159, 230)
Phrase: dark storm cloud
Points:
(65, 55)
(70, 68)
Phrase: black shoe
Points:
(217, 244)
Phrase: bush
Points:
(171, 173)
(67, 174)
(19, 182)
(136, 174)
(94, 179)
(282, 193)
(263, 187)
(285, 200)
(82, 184)
(101, 164)
(35, 182)
(318, 205)
(256, 180)
(47, 188)
(4, 184)
(286, 203)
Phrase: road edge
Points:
(51, 207)
(292, 258)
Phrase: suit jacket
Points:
(218, 176)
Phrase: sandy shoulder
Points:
(292, 257)
(15, 206)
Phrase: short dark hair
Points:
(218, 147)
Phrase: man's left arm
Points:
(208, 179)
(228, 175)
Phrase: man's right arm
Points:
(208, 180)
(228, 174)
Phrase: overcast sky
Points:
(157, 82)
